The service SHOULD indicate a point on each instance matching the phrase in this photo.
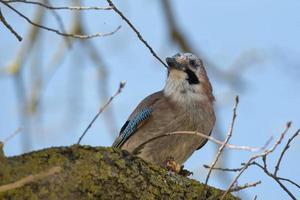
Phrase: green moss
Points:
(98, 173)
(4, 167)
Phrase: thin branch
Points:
(10, 136)
(266, 152)
(219, 142)
(121, 86)
(263, 167)
(136, 31)
(229, 134)
(9, 27)
(230, 146)
(276, 179)
(288, 180)
(60, 24)
(247, 185)
(223, 169)
(57, 31)
(76, 8)
(29, 179)
(283, 152)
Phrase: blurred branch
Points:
(231, 77)
(176, 35)
(102, 77)
(121, 86)
(58, 56)
(27, 45)
(229, 134)
(136, 31)
(21, 103)
(57, 31)
(15, 70)
(9, 137)
(48, 6)
(9, 27)
(44, 79)
(60, 24)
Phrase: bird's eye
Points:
(192, 63)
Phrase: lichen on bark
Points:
(96, 173)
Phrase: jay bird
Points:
(185, 104)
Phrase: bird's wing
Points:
(137, 118)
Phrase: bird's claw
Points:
(184, 172)
(172, 166)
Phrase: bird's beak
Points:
(172, 63)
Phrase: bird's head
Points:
(187, 78)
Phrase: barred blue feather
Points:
(131, 126)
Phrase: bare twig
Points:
(230, 146)
(136, 31)
(288, 180)
(275, 178)
(9, 27)
(283, 152)
(242, 187)
(223, 169)
(263, 167)
(57, 31)
(253, 158)
(76, 8)
(29, 179)
(61, 25)
(121, 86)
(229, 134)
(17, 131)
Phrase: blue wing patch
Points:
(130, 126)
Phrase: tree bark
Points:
(84, 172)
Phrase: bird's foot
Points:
(184, 172)
(172, 166)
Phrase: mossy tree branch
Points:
(95, 173)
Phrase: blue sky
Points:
(222, 30)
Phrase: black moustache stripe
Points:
(192, 78)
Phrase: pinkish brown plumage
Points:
(185, 104)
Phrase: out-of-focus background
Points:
(51, 87)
